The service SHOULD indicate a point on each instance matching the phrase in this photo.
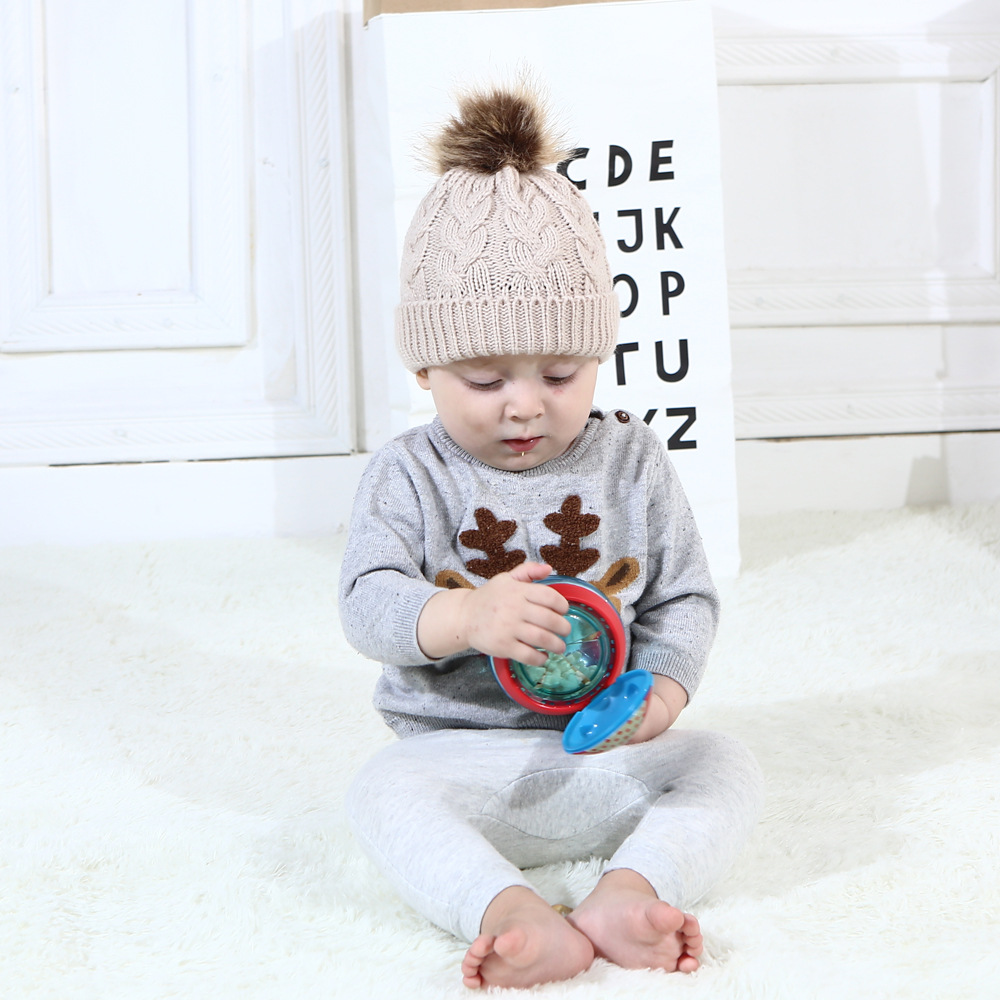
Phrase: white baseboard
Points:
(867, 473)
(87, 504)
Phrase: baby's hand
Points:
(511, 616)
(666, 701)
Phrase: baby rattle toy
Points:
(587, 678)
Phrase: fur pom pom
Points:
(498, 128)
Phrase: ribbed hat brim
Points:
(441, 331)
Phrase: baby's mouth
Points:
(521, 445)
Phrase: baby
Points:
(507, 309)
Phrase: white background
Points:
(205, 157)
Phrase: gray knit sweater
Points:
(610, 511)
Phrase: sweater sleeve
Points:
(678, 612)
(382, 585)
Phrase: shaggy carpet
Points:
(179, 721)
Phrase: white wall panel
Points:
(861, 175)
(865, 191)
(174, 259)
(118, 151)
(848, 380)
(128, 183)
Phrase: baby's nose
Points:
(525, 402)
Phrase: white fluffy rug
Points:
(178, 723)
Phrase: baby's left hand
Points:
(666, 701)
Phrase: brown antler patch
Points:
(567, 558)
(450, 579)
(619, 575)
(490, 537)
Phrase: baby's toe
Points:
(687, 963)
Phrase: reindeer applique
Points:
(567, 558)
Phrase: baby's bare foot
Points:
(628, 925)
(524, 942)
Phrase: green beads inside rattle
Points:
(576, 672)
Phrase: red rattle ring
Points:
(593, 660)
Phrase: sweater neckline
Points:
(442, 438)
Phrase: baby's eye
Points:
(558, 379)
(484, 386)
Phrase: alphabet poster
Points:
(633, 86)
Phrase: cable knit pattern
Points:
(504, 263)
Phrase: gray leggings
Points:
(452, 816)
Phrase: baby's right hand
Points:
(511, 616)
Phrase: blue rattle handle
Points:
(612, 718)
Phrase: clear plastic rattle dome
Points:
(576, 672)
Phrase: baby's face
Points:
(513, 412)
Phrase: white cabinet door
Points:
(173, 248)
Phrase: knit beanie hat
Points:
(503, 256)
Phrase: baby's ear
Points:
(422, 380)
